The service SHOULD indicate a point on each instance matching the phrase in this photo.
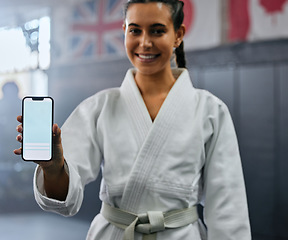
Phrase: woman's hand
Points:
(55, 178)
(57, 161)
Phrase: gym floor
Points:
(41, 226)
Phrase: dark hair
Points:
(177, 15)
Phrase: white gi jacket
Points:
(188, 155)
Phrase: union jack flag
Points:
(96, 29)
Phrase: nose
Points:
(145, 41)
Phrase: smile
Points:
(147, 57)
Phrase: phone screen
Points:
(37, 128)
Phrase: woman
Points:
(163, 146)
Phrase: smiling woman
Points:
(163, 146)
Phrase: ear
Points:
(180, 33)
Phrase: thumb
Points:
(56, 134)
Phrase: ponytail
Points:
(180, 56)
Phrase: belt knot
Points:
(151, 222)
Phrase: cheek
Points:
(129, 45)
(166, 44)
(167, 49)
(129, 41)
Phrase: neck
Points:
(159, 83)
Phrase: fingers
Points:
(19, 119)
(56, 140)
(19, 128)
(18, 151)
(19, 138)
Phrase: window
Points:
(25, 57)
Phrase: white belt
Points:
(148, 223)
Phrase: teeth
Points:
(147, 56)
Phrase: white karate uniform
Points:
(187, 155)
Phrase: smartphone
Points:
(37, 116)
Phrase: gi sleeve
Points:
(82, 159)
(225, 211)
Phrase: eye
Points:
(158, 31)
(135, 31)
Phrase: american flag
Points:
(96, 29)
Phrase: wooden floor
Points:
(41, 226)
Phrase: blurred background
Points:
(71, 49)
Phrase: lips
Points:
(147, 57)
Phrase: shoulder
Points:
(203, 96)
(211, 107)
(210, 100)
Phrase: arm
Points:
(225, 212)
(61, 190)
(56, 184)
(56, 180)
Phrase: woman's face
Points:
(150, 37)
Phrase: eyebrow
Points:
(134, 25)
(158, 25)
(153, 25)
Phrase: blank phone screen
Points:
(37, 128)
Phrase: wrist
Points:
(54, 172)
